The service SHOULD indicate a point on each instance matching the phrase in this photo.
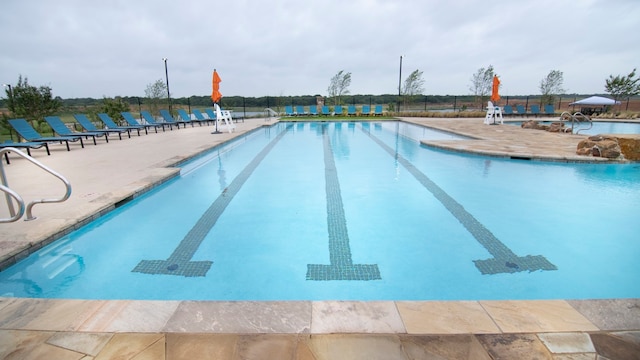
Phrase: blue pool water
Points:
(312, 211)
(599, 127)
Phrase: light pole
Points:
(10, 106)
(400, 84)
(166, 75)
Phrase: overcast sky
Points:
(110, 48)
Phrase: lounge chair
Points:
(29, 134)
(535, 110)
(325, 110)
(351, 110)
(149, 119)
(366, 110)
(549, 110)
(211, 114)
(313, 110)
(23, 145)
(111, 125)
(200, 116)
(168, 118)
(86, 124)
(507, 110)
(58, 127)
(187, 119)
(378, 110)
(521, 110)
(300, 110)
(338, 110)
(288, 110)
(133, 122)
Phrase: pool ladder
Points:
(576, 118)
(11, 195)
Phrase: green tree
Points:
(155, 92)
(114, 107)
(623, 86)
(413, 86)
(339, 85)
(31, 103)
(551, 86)
(481, 83)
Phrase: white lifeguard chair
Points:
(493, 113)
(224, 115)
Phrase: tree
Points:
(114, 107)
(481, 83)
(155, 92)
(551, 86)
(413, 85)
(339, 86)
(623, 86)
(32, 103)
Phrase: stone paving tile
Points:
(465, 347)
(614, 314)
(356, 347)
(616, 347)
(201, 346)
(130, 316)
(355, 317)
(248, 317)
(86, 343)
(517, 316)
(514, 346)
(559, 343)
(43, 314)
(445, 317)
(128, 346)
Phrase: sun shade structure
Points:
(216, 95)
(597, 101)
(495, 96)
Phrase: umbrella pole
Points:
(216, 120)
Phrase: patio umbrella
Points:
(216, 95)
(495, 96)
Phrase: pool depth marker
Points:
(341, 265)
(504, 260)
(180, 263)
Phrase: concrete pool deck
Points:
(105, 175)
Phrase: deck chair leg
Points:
(46, 146)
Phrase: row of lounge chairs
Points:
(352, 110)
(534, 110)
(63, 134)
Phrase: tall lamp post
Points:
(10, 106)
(166, 75)
(400, 84)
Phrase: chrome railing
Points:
(11, 195)
(576, 118)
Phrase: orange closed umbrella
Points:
(495, 96)
(216, 95)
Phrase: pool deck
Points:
(105, 175)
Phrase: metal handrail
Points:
(34, 202)
(8, 194)
(576, 118)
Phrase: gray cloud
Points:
(286, 47)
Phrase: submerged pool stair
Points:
(12, 195)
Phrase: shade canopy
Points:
(495, 95)
(596, 101)
(215, 94)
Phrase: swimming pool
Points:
(354, 211)
(598, 127)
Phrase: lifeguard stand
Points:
(493, 113)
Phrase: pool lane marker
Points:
(504, 260)
(180, 263)
(341, 265)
